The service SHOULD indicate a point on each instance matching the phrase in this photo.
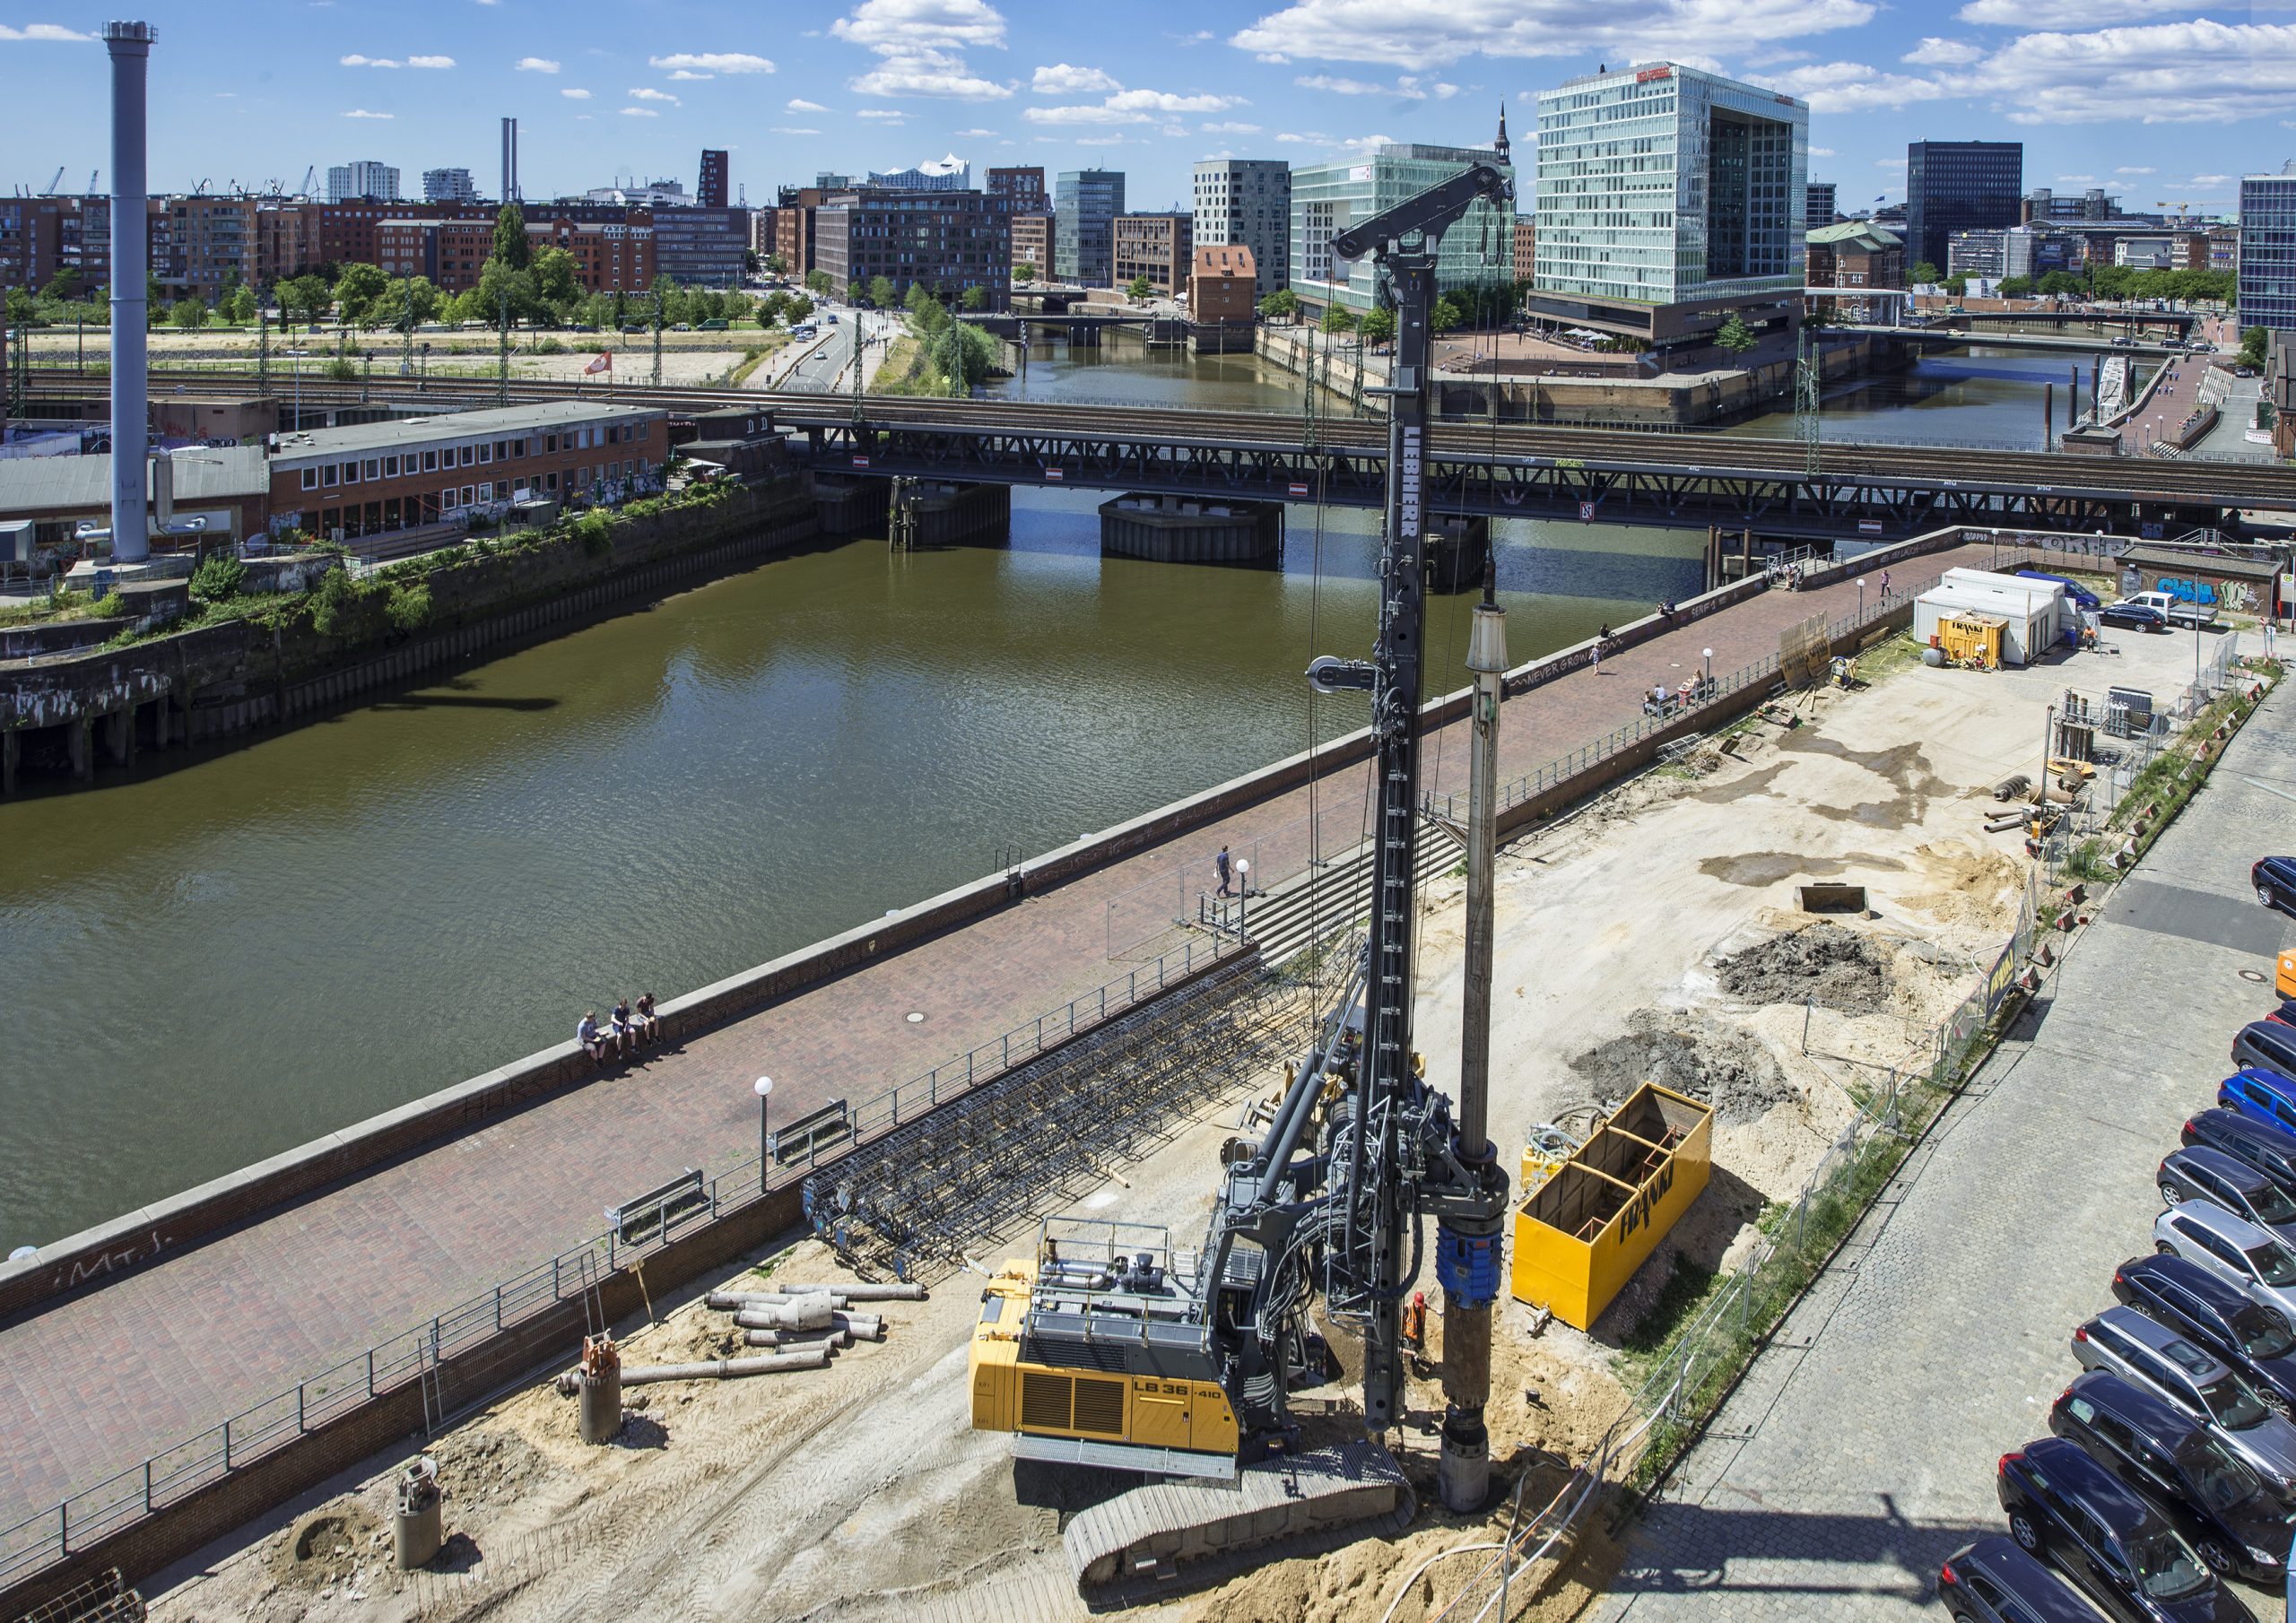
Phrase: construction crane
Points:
(54, 184)
(200, 190)
(310, 180)
(92, 175)
(1110, 1347)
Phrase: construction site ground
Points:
(1653, 931)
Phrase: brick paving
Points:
(2171, 404)
(1860, 1449)
(97, 1382)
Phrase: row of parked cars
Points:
(2170, 1462)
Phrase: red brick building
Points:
(453, 253)
(380, 476)
(1222, 290)
(1160, 246)
(1526, 246)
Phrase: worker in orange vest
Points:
(1414, 1330)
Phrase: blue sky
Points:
(2157, 99)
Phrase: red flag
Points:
(604, 363)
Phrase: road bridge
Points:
(1942, 336)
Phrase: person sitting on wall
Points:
(649, 1024)
(622, 1025)
(593, 1041)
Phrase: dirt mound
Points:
(1836, 965)
(488, 1467)
(329, 1546)
(1690, 1054)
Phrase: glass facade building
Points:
(1959, 185)
(1327, 198)
(2267, 286)
(1084, 207)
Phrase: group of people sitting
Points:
(626, 1028)
(1661, 700)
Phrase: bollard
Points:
(420, 1528)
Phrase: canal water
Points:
(213, 961)
(1991, 399)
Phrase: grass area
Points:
(750, 362)
(2163, 787)
(1894, 657)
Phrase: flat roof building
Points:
(448, 186)
(1223, 285)
(2267, 251)
(1248, 200)
(1021, 186)
(1159, 247)
(1818, 206)
(1477, 252)
(943, 242)
(1959, 186)
(1033, 245)
(702, 247)
(364, 179)
(1085, 204)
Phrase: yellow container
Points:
(1580, 1235)
(2284, 982)
(1969, 636)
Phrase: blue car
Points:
(2275, 879)
(2083, 598)
(2268, 1149)
(2261, 1096)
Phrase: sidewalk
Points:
(1859, 1450)
(103, 1379)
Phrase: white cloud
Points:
(575, 95)
(1231, 127)
(1132, 107)
(1099, 140)
(1934, 52)
(2138, 169)
(1821, 152)
(647, 93)
(798, 104)
(977, 135)
(893, 113)
(1406, 88)
(927, 73)
(429, 62)
(361, 112)
(639, 112)
(2066, 13)
(1889, 163)
(900, 27)
(713, 62)
(1421, 34)
(2076, 180)
(355, 60)
(783, 129)
(687, 74)
(52, 33)
(1061, 78)
(2210, 180)
(537, 65)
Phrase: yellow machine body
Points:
(1972, 640)
(1580, 1235)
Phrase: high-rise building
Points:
(1085, 204)
(1818, 206)
(1959, 186)
(943, 241)
(1248, 201)
(2267, 280)
(703, 247)
(1022, 188)
(1670, 200)
(1477, 252)
(1160, 248)
(448, 186)
(713, 191)
(509, 161)
(348, 182)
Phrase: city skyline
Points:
(2144, 98)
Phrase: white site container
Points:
(2029, 629)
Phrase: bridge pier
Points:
(12, 752)
(850, 506)
(1458, 548)
(1174, 529)
(943, 513)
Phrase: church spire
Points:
(1500, 146)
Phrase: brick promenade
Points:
(1860, 1449)
(97, 1382)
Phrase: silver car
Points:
(2252, 1259)
(2188, 1375)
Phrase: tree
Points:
(2016, 286)
(1282, 305)
(1923, 273)
(880, 292)
(1139, 289)
(502, 288)
(21, 305)
(798, 308)
(817, 282)
(1955, 285)
(2058, 284)
(240, 305)
(356, 290)
(310, 293)
(975, 299)
(416, 293)
(510, 244)
(749, 261)
(189, 314)
(2254, 344)
(1734, 336)
(1338, 319)
(63, 287)
(1026, 271)
(1380, 326)
(776, 265)
(1448, 316)
(556, 283)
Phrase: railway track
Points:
(1696, 452)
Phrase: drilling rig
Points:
(1112, 1348)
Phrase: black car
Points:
(2266, 1149)
(2207, 1493)
(2265, 1045)
(2203, 1173)
(2120, 1552)
(2137, 616)
(1992, 1581)
(2275, 879)
(2182, 1295)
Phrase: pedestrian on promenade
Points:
(1221, 864)
(1885, 585)
(649, 1026)
(1601, 638)
(587, 1033)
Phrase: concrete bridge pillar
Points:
(1177, 529)
(945, 513)
(11, 746)
(119, 734)
(79, 744)
(1459, 548)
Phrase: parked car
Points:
(2266, 1046)
(2187, 1297)
(2261, 1096)
(2268, 1149)
(2204, 1174)
(2233, 1249)
(2275, 879)
(2116, 1549)
(1992, 1581)
(2135, 616)
(2181, 612)
(2213, 1500)
(716, 323)
(2083, 598)
(2177, 1369)
(586, 326)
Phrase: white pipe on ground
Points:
(862, 1293)
(808, 1313)
(798, 1338)
(726, 1370)
(738, 1299)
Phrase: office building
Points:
(1984, 254)
(1223, 285)
(2020, 250)
(949, 174)
(794, 222)
(941, 241)
(1817, 208)
(713, 191)
(1248, 200)
(609, 257)
(649, 194)
(448, 186)
(348, 182)
(510, 192)
(2162, 251)
(2267, 262)
(1022, 188)
(1032, 244)
(2042, 206)
(2224, 247)
(1959, 185)
(1526, 249)
(703, 247)
(213, 241)
(1160, 247)
(1477, 252)
(1085, 204)
(1670, 199)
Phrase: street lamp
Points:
(1861, 600)
(1708, 678)
(763, 1087)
